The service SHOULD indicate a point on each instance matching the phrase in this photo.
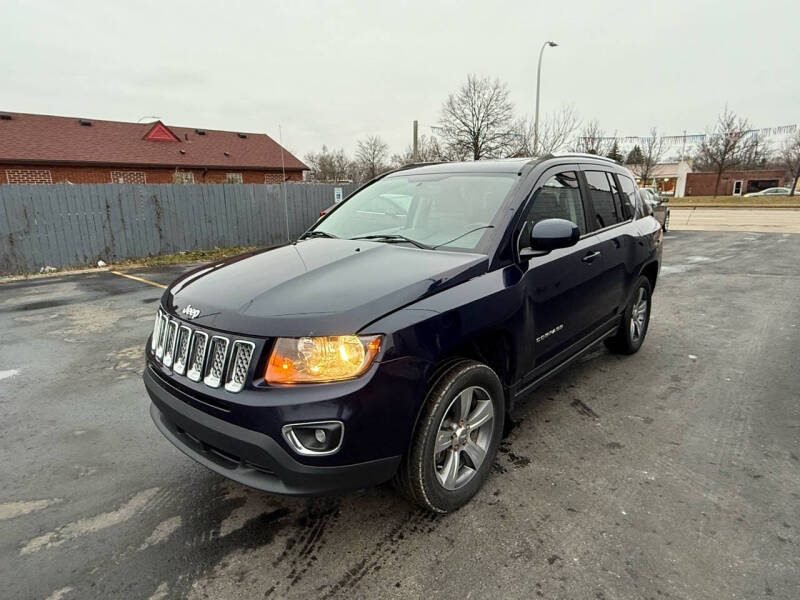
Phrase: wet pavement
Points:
(673, 473)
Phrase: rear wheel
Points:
(635, 320)
(456, 439)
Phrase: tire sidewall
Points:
(459, 377)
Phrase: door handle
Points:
(590, 256)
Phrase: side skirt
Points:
(568, 356)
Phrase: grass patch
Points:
(738, 201)
(184, 257)
(190, 256)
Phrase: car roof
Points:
(500, 165)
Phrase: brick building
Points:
(735, 183)
(47, 149)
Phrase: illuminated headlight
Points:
(321, 359)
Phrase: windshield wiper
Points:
(390, 238)
(317, 233)
(458, 237)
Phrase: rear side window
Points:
(558, 198)
(628, 193)
(605, 208)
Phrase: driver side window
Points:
(558, 198)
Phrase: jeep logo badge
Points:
(191, 312)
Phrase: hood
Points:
(316, 286)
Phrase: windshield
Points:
(453, 210)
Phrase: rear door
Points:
(614, 226)
(560, 287)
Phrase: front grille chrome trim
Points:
(182, 341)
(156, 332)
(197, 355)
(218, 352)
(239, 365)
(161, 335)
(214, 360)
(169, 343)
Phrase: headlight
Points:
(321, 359)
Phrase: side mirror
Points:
(550, 234)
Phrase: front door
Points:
(562, 286)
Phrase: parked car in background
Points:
(658, 204)
(393, 339)
(773, 191)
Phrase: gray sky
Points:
(334, 72)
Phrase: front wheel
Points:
(456, 439)
(635, 320)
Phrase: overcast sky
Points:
(334, 72)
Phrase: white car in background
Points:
(773, 191)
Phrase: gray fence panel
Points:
(76, 225)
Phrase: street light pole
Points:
(538, 83)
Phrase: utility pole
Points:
(538, 81)
(416, 142)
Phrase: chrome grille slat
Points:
(156, 332)
(214, 360)
(162, 334)
(169, 343)
(197, 355)
(241, 354)
(182, 349)
(218, 350)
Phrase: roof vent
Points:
(200, 131)
(182, 151)
(85, 122)
(227, 153)
(242, 135)
(5, 117)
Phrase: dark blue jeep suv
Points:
(392, 340)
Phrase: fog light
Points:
(317, 438)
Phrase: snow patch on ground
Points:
(90, 524)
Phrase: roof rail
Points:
(422, 164)
(581, 155)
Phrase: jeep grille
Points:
(215, 361)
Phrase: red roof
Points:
(27, 138)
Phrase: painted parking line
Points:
(139, 279)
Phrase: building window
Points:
(273, 178)
(233, 178)
(183, 177)
(128, 177)
(28, 176)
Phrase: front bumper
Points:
(251, 457)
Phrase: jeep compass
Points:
(393, 338)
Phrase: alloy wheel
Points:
(463, 438)
(638, 315)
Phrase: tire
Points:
(630, 335)
(446, 480)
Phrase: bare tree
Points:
(790, 158)
(726, 145)
(330, 165)
(592, 139)
(371, 155)
(651, 150)
(756, 153)
(428, 150)
(477, 121)
(555, 132)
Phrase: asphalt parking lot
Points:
(674, 473)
